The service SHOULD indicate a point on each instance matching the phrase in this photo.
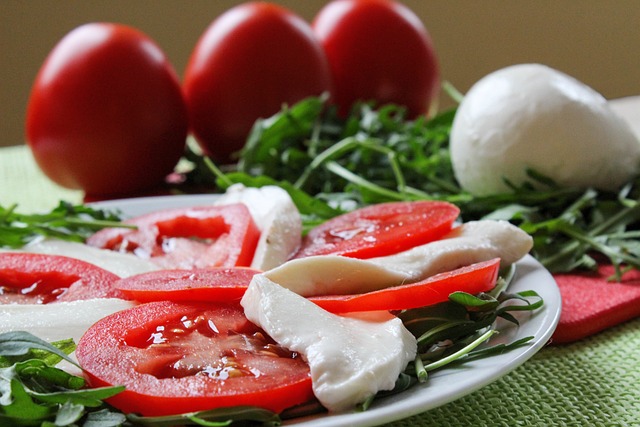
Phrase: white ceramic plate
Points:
(445, 385)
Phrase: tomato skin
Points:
(106, 112)
(380, 230)
(380, 51)
(473, 279)
(38, 278)
(250, 61)
(194, 237)
(117, 351)
(210, 285)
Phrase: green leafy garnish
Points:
(66, 222)
(331, 164)
(33, 392)
(453, 331)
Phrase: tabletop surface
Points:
(593, 382)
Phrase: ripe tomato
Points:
(210, 285)
(195, 237)
(473, 279)
(27, 278)
(379, 51)
(106, 112)
(249, 62)
(380, 230)
(176, 358)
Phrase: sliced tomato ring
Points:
(196, 237)
(28, 278)
(473, 279)
(381, 229)
(198, 285)
(177, 358)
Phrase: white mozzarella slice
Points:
(58, 321)
(472, 242)
(120, 264)
(277, 218)
(334, 274)
(350, 358)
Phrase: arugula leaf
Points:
(66, 221)
(20, 343)
(34, 392)
(452, 331)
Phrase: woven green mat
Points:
(22, 182)
(594, 382)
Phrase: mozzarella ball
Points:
(532, 116)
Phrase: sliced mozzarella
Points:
(58, 321)
(120, 264)
(350, 358)
(334, 274)
(472, 242)
(277, 218)
(469, 243)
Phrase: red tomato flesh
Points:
(380, 230)
(210, 285)
(106, 112)
(27, 278)
(473, 279)
(177, 358)
(196, 237)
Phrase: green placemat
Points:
(594, 382)
(22, 182)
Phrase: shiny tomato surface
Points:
(27, 278)
(249, 62)
(106, 112)
(198, 285)
(187, 238)
(380, 230)
(472, 279)
(178, 358)
(379, 51)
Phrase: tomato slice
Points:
(27, 278)
(176, 358)
(210, 285)
(473, 279)
(381, 229)
(196, 237)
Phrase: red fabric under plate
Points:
(591, 304)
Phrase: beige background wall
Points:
(597, 41)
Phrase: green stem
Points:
(460, 353)
(217, 172)
(358, 180)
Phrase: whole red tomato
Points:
(106, 112)
(379, 51)
(249, 62)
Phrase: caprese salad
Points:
(228, 306)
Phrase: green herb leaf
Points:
(66, 221)
(20, 343)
